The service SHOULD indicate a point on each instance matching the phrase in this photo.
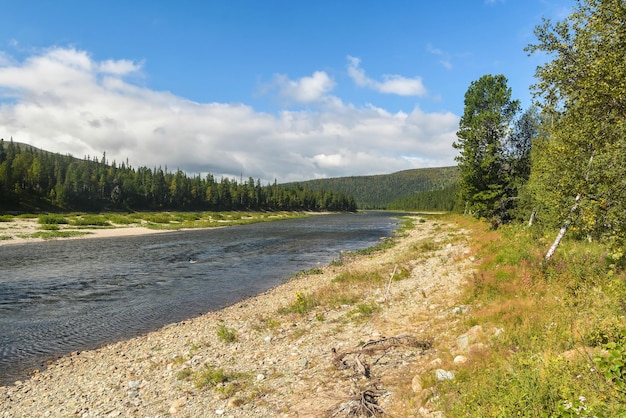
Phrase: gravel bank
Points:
(257, 359)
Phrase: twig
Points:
(393, 273)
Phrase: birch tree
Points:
(580, 177)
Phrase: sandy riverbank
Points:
(281, 363)
(14, 232)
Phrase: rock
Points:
(177, 404)
(462, 342)
(134, 384)
(417, 384)
(442, 375)
(435, 363)
(260, 377)
(472, 335)
(460, 360)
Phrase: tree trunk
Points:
(563, 229)
(572, 211)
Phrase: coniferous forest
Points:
(33, 179)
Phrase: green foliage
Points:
(613, 365)
(54, 233)
(228, 335)
(582, 93)
(483, 129)
(548, 312)
(210, 377)
(303, 304)
(363, 311)
(52, 220)
(91, 220)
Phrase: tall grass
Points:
(558, 317)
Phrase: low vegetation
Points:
(561, 348)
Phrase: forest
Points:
(562, 163)
(378, 191)
(32, 179)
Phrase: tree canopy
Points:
(483, 131)
(579, 168)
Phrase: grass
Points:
(228, 335)
(53, 234)
(560, 319)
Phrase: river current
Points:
(62, 296)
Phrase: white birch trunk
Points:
(568, 221)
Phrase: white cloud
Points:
(121, 67)
(306, 89)
(392, 84)
(444, 57)
(64, 101)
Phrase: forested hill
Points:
(378, 191)
(32, 179)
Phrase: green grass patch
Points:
(54, 234)
(52, 219)
(90, 220)
(228, 335)
(303, 304)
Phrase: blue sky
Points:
(288, 90)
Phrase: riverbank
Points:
(373, 330)
(37, 228)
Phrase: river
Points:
(67, 295)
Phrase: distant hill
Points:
(378, 191)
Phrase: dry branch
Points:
(365, 404)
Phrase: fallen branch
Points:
(365, 404)
(372, 347)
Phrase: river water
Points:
(62, 296)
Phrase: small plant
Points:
(184, 374)
(210, 377)
(304, 304)
(228, 335)
(613, 365)
(363, 310)
(576, 408)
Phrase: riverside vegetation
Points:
(74, 224)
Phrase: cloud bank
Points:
(64, 101)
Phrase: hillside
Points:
(377, 191)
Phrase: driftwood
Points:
(365, 404)
(374, 347)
